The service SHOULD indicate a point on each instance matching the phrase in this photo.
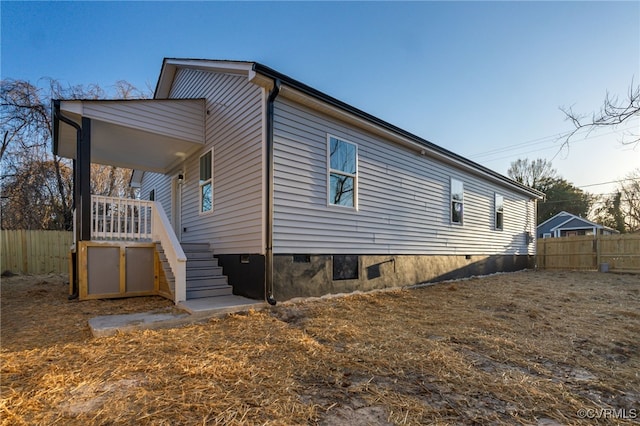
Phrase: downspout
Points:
(269, 214)
(58, 116)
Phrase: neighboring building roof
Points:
(270, 76)
(565, 220)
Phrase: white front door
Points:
(176, 204)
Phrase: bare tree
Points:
(630, 201)
(31, 197)
(621, 210)
(25, 118)
(535, 174)
(111, 181)
(25, 159)
(613, 113)
(36, 185)
(126, 90)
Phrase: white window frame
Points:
(202, 183)
(497, 211)
(451, 201)
(340, 172)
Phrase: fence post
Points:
(598, 251)
(25, 252)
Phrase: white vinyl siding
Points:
(161, 184)
(234, 131)
(403, 197)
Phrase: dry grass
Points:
(523, 348)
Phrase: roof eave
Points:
(170, 65)
(251, 69)
(438, 151)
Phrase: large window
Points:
(457, 201)
(499, 211)
(206, 183)
(343, 164)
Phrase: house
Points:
(254, 183)
(566, 224)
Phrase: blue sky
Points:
(483, 79)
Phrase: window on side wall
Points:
(345, 267)
(206, 183)
(499, 212)
(457, 201)
(343, 165)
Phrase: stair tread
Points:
(201, 287)
(215, 270)
(208, 293)
(202, 266)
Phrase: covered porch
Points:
(121, 245)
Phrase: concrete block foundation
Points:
(317, 275)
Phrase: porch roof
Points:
(149, 134)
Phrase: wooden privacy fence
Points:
(618, 253)
(35, 252)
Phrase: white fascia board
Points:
(260, 80)
(233, 67)
(317, 104)
(165, 80)
(74, 107)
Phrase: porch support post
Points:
(83, 182)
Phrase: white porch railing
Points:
(120, 219)
(140, 220)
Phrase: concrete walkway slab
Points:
(220, 305)
(108, 325)
(196, 310)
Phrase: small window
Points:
(499, 212)
(301, 258)
(206, 183)
(152, 195)
(546, 235)
(345, 267)
(457, 201)
(343, 166)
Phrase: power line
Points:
(544, 139)
(553, 139)
(605, 183)
(573, 201)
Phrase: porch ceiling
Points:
(150, 135)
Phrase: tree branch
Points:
(612, 114)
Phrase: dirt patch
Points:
(36, 312)
(521, 348)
